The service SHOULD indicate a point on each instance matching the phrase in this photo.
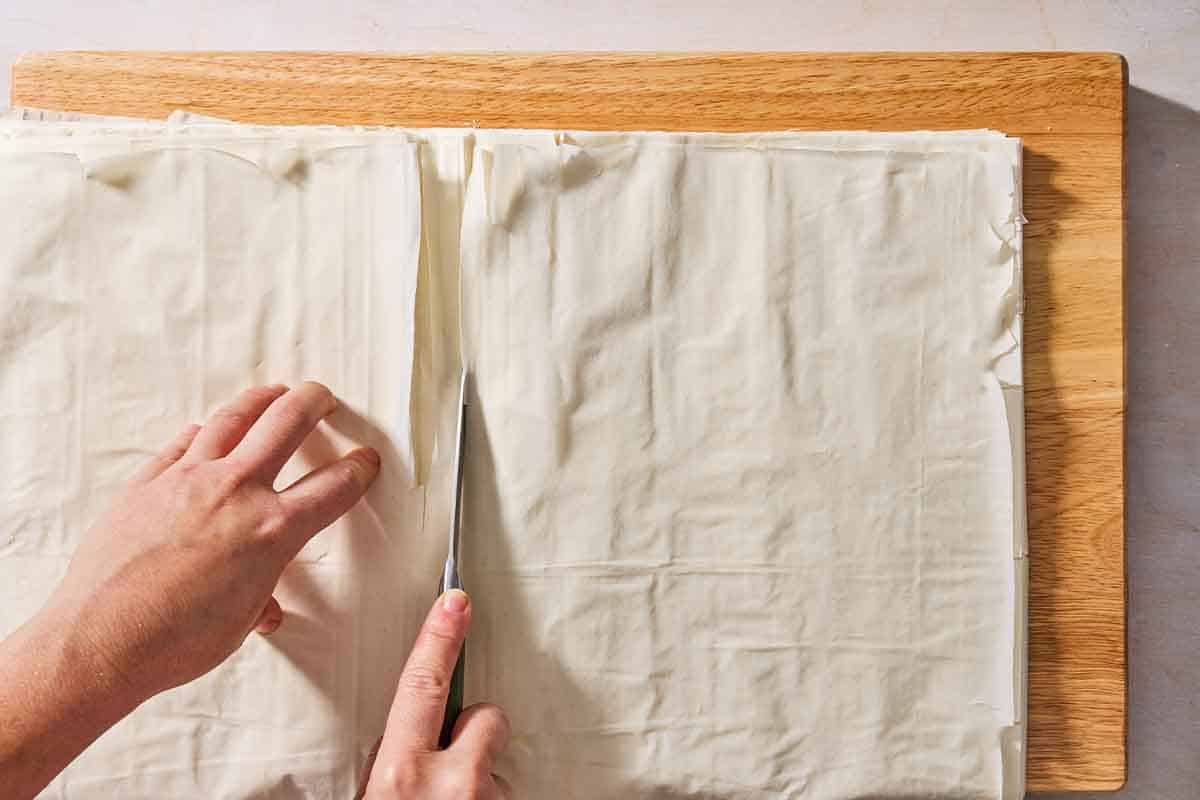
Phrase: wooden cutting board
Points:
(1067, 107)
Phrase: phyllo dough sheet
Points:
(743, 498)
(744, 489)
(141, 285)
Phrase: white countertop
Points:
(1161, 41)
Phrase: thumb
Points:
(415, 721)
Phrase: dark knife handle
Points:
(454, 701)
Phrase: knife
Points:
(450, 577)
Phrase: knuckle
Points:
(351, 474)
(438, 636)
(273, 524)
(226, 483)
(398, 777)
(468, 784)
(262, 394)
(322, 399)
(231, 418)
(343, 488)
(496, 718)
(197, 485)
(424, 680)
(345, 476)
(292, 415)
(187, 472)
(318, 389)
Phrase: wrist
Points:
(57, 695)
(81, 655)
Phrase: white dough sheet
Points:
(744, 505)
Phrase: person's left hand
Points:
(179, 571)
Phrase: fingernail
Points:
(455, 601)
(372, 455)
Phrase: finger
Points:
(270, 619)
(229, 423)
(504, 787)
(168, 456)
(324, 494)
(482, 731)
(277, 434)
(415, 721)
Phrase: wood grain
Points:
(1069, 109)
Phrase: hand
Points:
(171, 580)
(407, 762)
(169, 583)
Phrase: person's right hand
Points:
(407, 763)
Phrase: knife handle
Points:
(454, 700)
